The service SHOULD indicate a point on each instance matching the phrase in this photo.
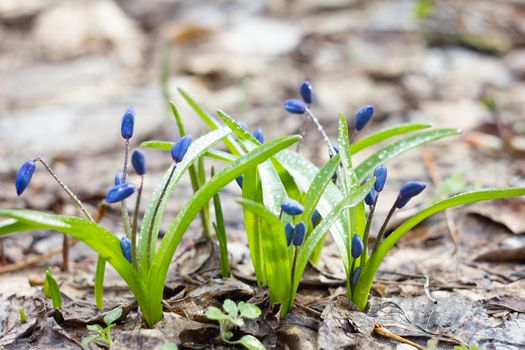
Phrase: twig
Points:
(34, 260)
(426, 285)
(378, 329)
(3, 257)
(428, 160)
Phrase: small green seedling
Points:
(103, 334)
(466, 347)
(169, 346)
(52, 291)
(23, 317)
(232, 317)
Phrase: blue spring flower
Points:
(179, 149)
(239, 180)
(128, 123)
(316, 218)
(363, 117)
(371, 197)
(298, 235)
(259, 135)
(24, 175)
(125, 247)
(355, 276)
(306, 92)
(408, 191)
(294, 106)
(289, 230)
(119, 178)
(380, 173)
(357, 246)
(291, 207)
(138, 160)
(120, 192)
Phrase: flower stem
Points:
(383, 228)
(123, 205)
(135, 224)
(367, 232)
(331, 148)
(292, 279)
(154, 216)
(65, 188)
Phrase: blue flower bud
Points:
(357, 246)
(125, 247)
(179, 149)
(119, 178)
(407, 191)
(371, 197)
(259, 135)
(363, 117)
(316, 218)
(128, 123)
(298, 235)
(380, 173)
(355, 276)
(24, 175)
(289, 230)
(120, 192)
(294, 106)
(139, 162)
(291, 207)
(306, 92)
(240, 180)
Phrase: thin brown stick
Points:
(3, 257)
(65, 253)
(378, 329)
(428, 160)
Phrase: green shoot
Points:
(103, 333)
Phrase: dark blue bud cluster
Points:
(125, 247)
(295, 234)
(357, 246)
(363, 116)
(179, 149)
(291, 207)
(128, 123)
(24, 175)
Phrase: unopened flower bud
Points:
(24, 175)
(299, 232)
(179, 149)
(291, 207)
(306, 92)
(139, 162)
(128, 123)
(294, 106)
(363, 117)
(120, 192)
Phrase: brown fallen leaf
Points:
(508, 212)
(509, 255)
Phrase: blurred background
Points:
(69, 70)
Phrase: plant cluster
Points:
(289, 204)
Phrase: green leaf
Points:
(195, 151)
(169, 346)
(210, 121)
(171, 240)
(22, 312)
(213, 313)
(396, 148)
(100, 271)
(274, 252)
(220, 231)
(92, 234)
(230, 307)
(325, 224)
(250, 343)
(12, 225)
(303, 172)
(386, 134)
(317, 188)
(112, 316)
(367, 275)
(95, 328)
(249, 311)
(51, 290)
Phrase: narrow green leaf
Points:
(210, 121)
(195, 151)
(328, 220)
(52, 290)
(367, 275)
(396, 148)
(220, 155)
(23, 317)
(13, 225)
(220, 231)
(275, 252)
(303, 172)
(169, 243)
(99, 282)
(386, 134)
